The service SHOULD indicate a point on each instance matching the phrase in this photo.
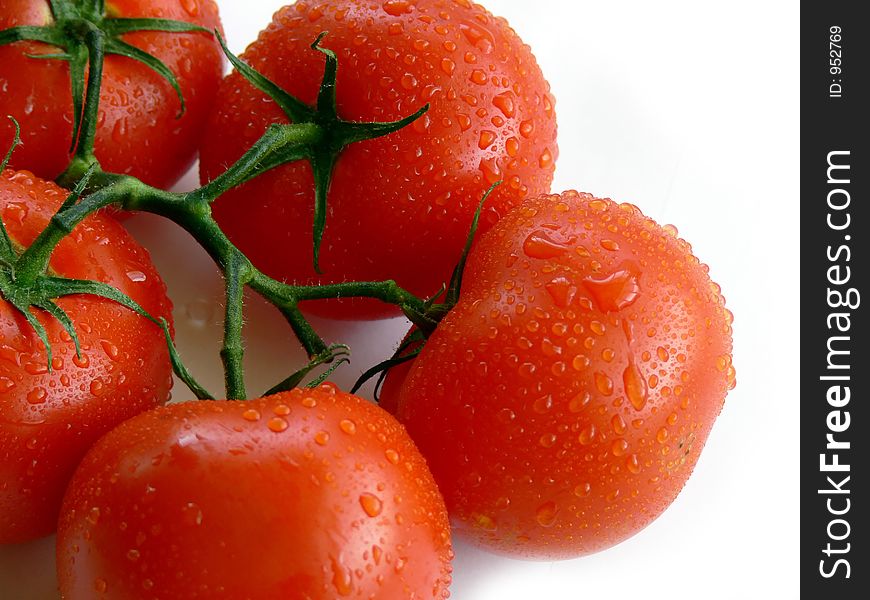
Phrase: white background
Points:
(690, 111)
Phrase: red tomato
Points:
(305, 494)
(399, 206)
(138, 131)
(48, 419)
(578, 378)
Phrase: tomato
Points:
(399, 206)
(139, 132)
(304, 494)
(564, 401)
(49, 418)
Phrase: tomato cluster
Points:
(554, 395)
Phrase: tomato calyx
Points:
(26, 283)
(426, 317)
(333, 134)
(85, 34)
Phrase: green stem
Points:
(279, 145)
(192, 212)
(233, 351)
(96, 43)
(33, 262)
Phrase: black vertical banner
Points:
(835, 301)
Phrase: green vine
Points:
(316, 134)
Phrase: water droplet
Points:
(37, 395)
(448, 66)
(618, 447)
(119, 131)
(603, 383)
(582, 490)
(546, 159)
(192, 514)
(540, 244)
(662, 435)
(587, 435)
(464, 121)
(277, 424)
(527, 128)
(392, 456)
(490, 169)
(408, 81)
(487, 137)
(579, 402)
(191, 7)
(110, 349)
(342, 578)
(547, 440)
(505, 103)
(616, 291)
(321, 438)
(512, 146)
(543, 404)
(100, 585)
(371, 504)
(6, 384)
(281, 410)
(347, 426)
(561, 291)
(133, 555)
(546, 514)
(632, 464)
(309, 402)
(251, 415)
(39, 368)
(484, 522)
(609, 245)
(479, 37)
(397, 8)
(93, 515)
(478, 77)
(96, 387)
(617, 424)
(635, 386)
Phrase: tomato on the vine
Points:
(51, 414)
(139, 130)
(311, 493)
(564, 400)
(399, 206)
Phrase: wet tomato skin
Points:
(579, 376)
(305, 494)
(49, 418)
(407, 199)
(139, 131)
